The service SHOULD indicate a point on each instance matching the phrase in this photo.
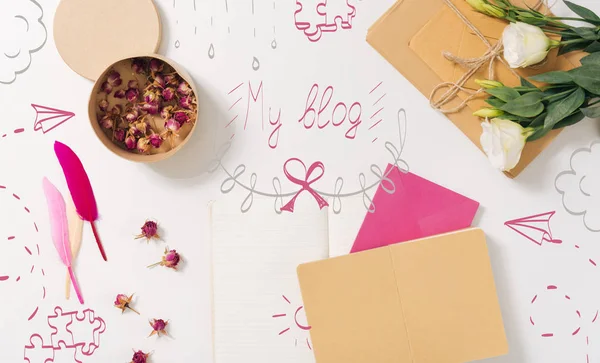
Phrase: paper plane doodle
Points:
(325, 17)
(535, 228)
(47, 118)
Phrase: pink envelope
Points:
(418, 208)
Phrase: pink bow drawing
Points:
(305, 184)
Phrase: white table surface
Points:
(177, 191)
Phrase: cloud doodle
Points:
(22, 19)
(580, 186)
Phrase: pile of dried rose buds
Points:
(144, 102)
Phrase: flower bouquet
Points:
(561, 98)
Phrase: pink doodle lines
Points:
(317, 117)
(536, 228)
(46, 119)
(326, 19)
(28, 249)
(71, 338)
(293, 316)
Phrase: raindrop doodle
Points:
(255, 64)
(177, 44)
(274, 44)
(211, 51)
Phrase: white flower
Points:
(503, 141)
(525, 45)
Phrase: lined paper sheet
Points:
(257, 306)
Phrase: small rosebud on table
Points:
(123, 302)
(158, 327)
(150, 227)
(139, 357)
(170, 260)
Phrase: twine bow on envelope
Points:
(472, 65)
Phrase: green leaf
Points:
(528, 105)
(585, 13)
(593, 48)
(551, 97)
(555, 77)
(587, 33)
(591, 112)
(588, 77)
(569, 120)
(538, 134)
(559, 110)
(574, 46)
(539, 120)
(504, 93)
(593, 58)
(526, 83)
(508, 116)
(495, 102)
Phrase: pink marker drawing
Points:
(304, 183)
(293, 315)
(535, 228)
(325, 16)
(48, 118)
(75, 335)
(28, 251)
(553, 292)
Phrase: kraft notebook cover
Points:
(417, 208)
(412, 35)
(431, 300)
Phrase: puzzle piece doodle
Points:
(74, 335)
(38, 352)
(328, 17)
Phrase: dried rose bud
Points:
(168, 94)
(106, 88)
(170, 80)
(132, 94)
(114, 79)
(132, 115)
(155, 140)
(139, 357)
(120, 94)
(172, 125)
(184, 89)
(159, 81)
(137, 65)
(116, 110)
(106, 122)
(158, 327)
(130, 142)
(103, 105)
(150, 96)
(181, 117)
(156, 65)
(165, 113)
(185, 102)
(171, 259)
(123, 302)
(151, 108)
(133, 84)
(149, 230)
(120, 135)
(143, 145)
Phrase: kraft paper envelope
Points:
(412, 35)
(428, 301)
(417, 208)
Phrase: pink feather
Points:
(80, 188)
(59, 227)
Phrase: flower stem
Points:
(154, 264)
(574, 41)
(132, 309)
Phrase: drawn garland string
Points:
(381, 178)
